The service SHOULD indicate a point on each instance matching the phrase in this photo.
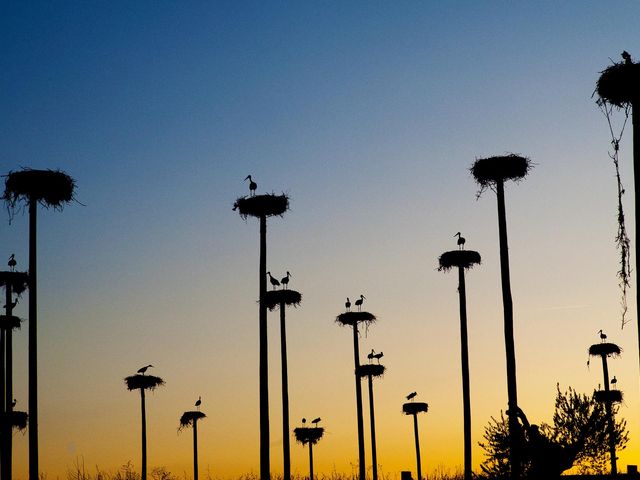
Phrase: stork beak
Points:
(248, 177)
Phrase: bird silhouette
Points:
(285, 280)
(372, 355)
(316, 421)
(461, 240)
(627, 57)
(144, 369)
(11, 305)
(603, 337)
(12, 262)
(13, 404)
(304, 420)
(198, 402)
(411, 396)
(359, 301)
(274, 281)
(614, 381)
(378, 356)
(252, 185)
(347, 305)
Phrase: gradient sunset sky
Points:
(369, 115)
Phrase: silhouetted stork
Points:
(315, 421)
(12, 262)
(372, 355)
(347, 305)
(252, 185)
(304, 420)
(285, 280)
(12, 304)
(274, 281)
(199, 402)
(461, 240)
(378, 356)
(13, 404)
(411, 396)
(603, 337)
(359, 301)
(144, 369)
(627, 57)
(614, 381)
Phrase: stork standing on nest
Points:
(285, 280)
(411, 396)
(626, 57)
(253, 186)
(347, 305)
(603, 336)
(274, 281)
(359, 301)
(144, 369)
(198, 402)
(12, 262)
(461, 240)
(378, 356)
(315, 421)
(614, 382)
(372, 355)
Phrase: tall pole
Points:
(4, 418)
(610, 422)
(464, 357)
(417, 437)
(144, 435)
(635, 120)
(33, 341)
(310, 460)
(195, 449)
(285, 397)
(265, 468)
(356, 358)
(374, 455)
(507, 302)
(7, 383)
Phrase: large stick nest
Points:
(275, 298)
(413, 408)
(18, 281)
(189, 418)
(143, 382)
(50, 188)
(9, 322)
(352, 318)
(16, 419)
(619, 84)
(266, 205)
(371, 369)
(613, 396)
(604, 349)
(488, 171)
(458, 258)
(310, 435)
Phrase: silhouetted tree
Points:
(48, 188)
(413, 409)
(190, 419)
(261, 207)
(282, 298)
(143, 382)
(309, 436)
(491, 173)
(370, 371)
(352, 319)
(578, 437)
(462, 260)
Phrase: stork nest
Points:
(489, 171)
(143, 382)
(50, 188)
(619, 84)
(16, 419)
(613, 396)
(18, 281)
(9, 322)
(371, 370)
(353, 318)
(605, 349)
(310, 435)
(275, 298)
(188, 419)
(267, 205)
(458, 258)
(413, 408)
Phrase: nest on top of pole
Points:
(371, 370)
(604, 349)
(413, 408)
(18, 281)
(458, 258)
(50, 188)
(9, 322)
(16, 419)
(143, 382)
(267, 205)
(353, 318)
(488, 171)
(276, 297)
(189, 418)
(310, 435)
(613, 396)
(619, 84)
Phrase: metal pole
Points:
(464, 357)
(417, 438)
(195, 449)
(356, 357)
(144, 435)
(374, 456)
(610, 421)
(33, 342)
(286, 449)
(265, 468)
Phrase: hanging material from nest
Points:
(146, 382)
(413, 408)
(613, 396)
(9, 322)
(604, 349)
(618, 87)
(371, 369)
(310, 435)
(351, 318)
(488, 171)
(458, 258)
(289, 297)
(189, 418)
(19, 281)
(262, 205)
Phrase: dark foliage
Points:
(19, 281)
(275, 297)
(50, 188)
(412, 408)
(371, 369)
(458, 258)
(608, 349)
(310, 435)
(488, 171)
(146, 382)
(351, 318)
(266, 205)
(189, 418)
(619, 84)
(614, 396)
(9, 322)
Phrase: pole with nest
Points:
(190, 419)
(371, 371)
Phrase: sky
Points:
(368, 115)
